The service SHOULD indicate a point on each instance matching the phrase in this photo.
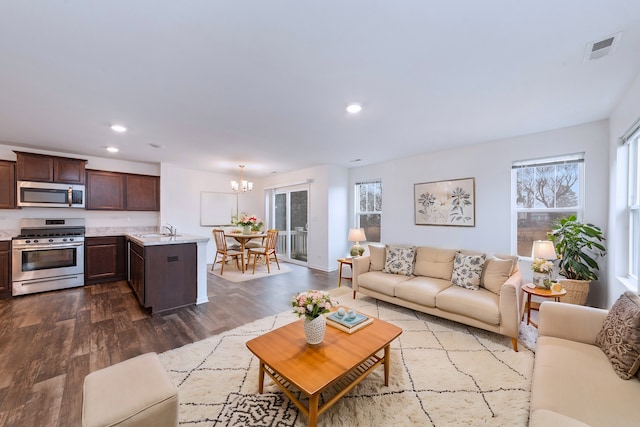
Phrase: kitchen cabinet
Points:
(163, 277)
(43, 168)
(8, 185)
(143, 193)
(120, 191)
(105, 259)
(105, 190)
(5, 269)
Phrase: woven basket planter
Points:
(577, 291)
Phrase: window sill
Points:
(629, 283)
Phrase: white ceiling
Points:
(265, 82)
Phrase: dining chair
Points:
(267, 251)
(221, 249)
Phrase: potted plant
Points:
(577, 245)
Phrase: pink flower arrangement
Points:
(312, 304)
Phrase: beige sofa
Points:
(574, 383)
(495, 306)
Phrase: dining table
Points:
(244, 238)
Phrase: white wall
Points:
(180, 199)
(626, 113)
(490, 164)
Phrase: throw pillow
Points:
(467, 270)
(496, 272)
(399, 260)
(377, 257)
(619, 337)
(434, 262)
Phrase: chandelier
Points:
(243, 185)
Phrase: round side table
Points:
(341, 261)
(539, 292)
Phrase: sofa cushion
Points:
(378, 281)
(576, 380)
(434, 262)
(467, 270)
(619, 337)
(399, 260)
(481, 304)
(496, 271)
(377, 254)
(421, 290)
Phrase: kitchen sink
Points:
(149, 235)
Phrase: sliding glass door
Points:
(290, 217)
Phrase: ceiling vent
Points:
(602, 48)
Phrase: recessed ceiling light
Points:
(354, 108)
(118, 128)
(112, 149)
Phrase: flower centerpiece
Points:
(312, 305)
(544, 269)
(248, 222)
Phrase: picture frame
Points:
(450, 202)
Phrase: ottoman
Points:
(136, 392)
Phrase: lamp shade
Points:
(357, 235)
(543, 249)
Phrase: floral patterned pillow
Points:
(400, 260)
(619, 337)
(467, 270)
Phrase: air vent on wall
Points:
(602, 48)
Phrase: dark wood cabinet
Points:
(120, 191)
(105, 259)
(105, 190)
(163, 277)
(143, 193)
(7, 185)
(136, 270)
(5, 269)
(43, 168)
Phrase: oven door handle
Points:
(48, 246)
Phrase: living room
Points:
(542, 122)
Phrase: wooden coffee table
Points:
(335, 366)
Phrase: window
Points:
(633, 204)
(369, 208)
(545, 190)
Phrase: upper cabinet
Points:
(105, 190)
(7, 185)
(143, 193)
(120, 191)
(44, 168)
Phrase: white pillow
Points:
(467, 270)
(399, 260)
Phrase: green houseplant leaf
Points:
(577, 245)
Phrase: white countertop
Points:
(148, 239)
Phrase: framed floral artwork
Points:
(446, 202)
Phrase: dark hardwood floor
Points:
(50, 341)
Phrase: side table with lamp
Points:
(543, 253)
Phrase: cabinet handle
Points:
(172, 258)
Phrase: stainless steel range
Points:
(47, 255)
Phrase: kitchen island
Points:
(167, 271)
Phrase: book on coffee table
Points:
(348, 325)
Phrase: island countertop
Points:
(151, 239)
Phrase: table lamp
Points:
(544, 249)
(356, 235)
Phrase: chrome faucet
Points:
(172, 230)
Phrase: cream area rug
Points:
(232, 274)
(442, 374)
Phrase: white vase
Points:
(314, 329)
(246, 229)
(539, 278)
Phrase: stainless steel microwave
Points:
(50, 195)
